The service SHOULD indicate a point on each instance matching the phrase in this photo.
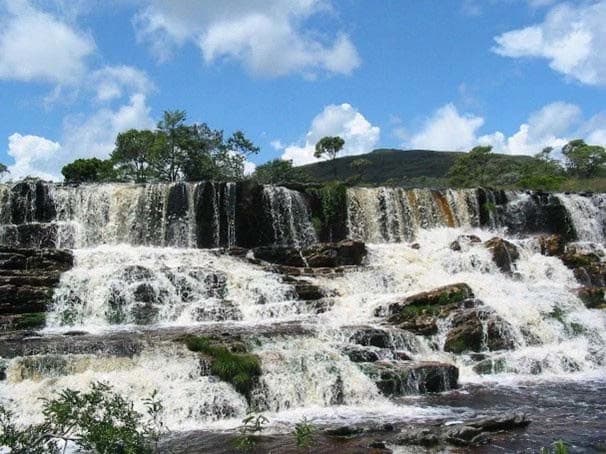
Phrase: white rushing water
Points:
(122, 280)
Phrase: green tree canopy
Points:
(133, 154)
(584, 160)
(279, 171)
(329, 146)
(91, 170)
(471, 169)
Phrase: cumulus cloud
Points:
(33, 155)
(36, 46)
(112, 82)
(269, 37)
(83, 137)
(336, 120)
(572, 38)
(553, 125)
(446, 129)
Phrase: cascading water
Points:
(157, 282)
(290, 216)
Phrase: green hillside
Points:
(413, 168)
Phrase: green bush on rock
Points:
(240, 369)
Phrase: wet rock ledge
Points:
(27, 279)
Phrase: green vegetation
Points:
(333, 208)
(304, 434)
(329, 146)
(91, 170)
(251, 426)
(33, 320)
(279, 171)
(584, 160)
(242, 370)
(558, 447)
(98, 420)
(173, 151)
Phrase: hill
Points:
(413, 168)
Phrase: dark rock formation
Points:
(322, 255)
(398, 378)
(552, 245)
(504, 253)
(464, 239)
(593, 297)
(477, 330)
(27, 278)
(468, 433)
(419, 313)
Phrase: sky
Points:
(434, 74)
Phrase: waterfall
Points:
(380, 215)
(588, 214)
(149, 267)
(290, 217)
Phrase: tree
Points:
(584, 160)
(91, 170)
(3, 169)
(97, 420)
(330, 146)
(279, 171)
(133, 153)
(471, 169)
(173, 140)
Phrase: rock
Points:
(344, 431)
(306, 291)
(397, 378)
(504, 253)
(593, 298)
(322, 255)
(552, 245)
(361, 355)
(465, 433)
(419, 313)
(375, 337)
(477, 330)
(464, 239)
(490, 366)
(418, 436)
(508, 421)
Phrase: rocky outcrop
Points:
(593, 297)
(466, 433)
(462, 240)
(504, 253)
(399, 378)
(478, 330)
(420, 312)
(27, 278)
(322, 255)
(552, 245)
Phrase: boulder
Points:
(473, 432)
(374, 337)
(464, 239)
(478, 330)
(399, 378)
(593, 297)
(552, 245)
(322, 255)
(420, 312)
(504, 253)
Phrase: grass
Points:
(242, 370)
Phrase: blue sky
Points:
(438, 74)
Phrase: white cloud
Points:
(36, 46)
(82, 138)
(572, 38)
(112, 82)
(553, 125)
(446, 129)
(269, 37)
(277, 145)
(34, 156)
(336, 120)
